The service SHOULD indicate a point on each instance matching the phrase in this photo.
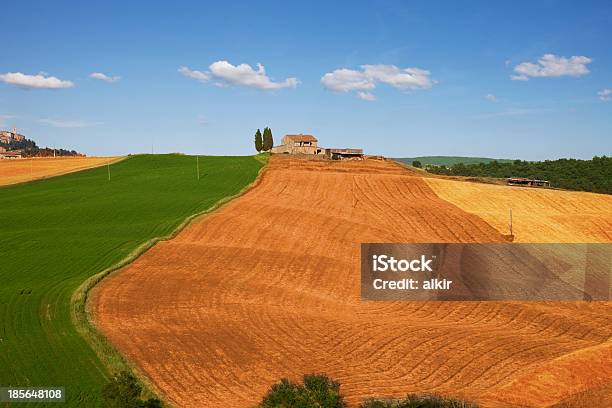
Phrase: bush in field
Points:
(321, 391)
(123, 391)
(418, 401)
(417, 164)
(317, 391)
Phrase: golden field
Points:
(23, 170)
(538, 215)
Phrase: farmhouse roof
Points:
(302, 138)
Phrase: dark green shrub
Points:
(417, 164)
(152, 403)
(317, 391)
(123, 391)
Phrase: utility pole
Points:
(510, 224)
(198, 166)
(108, 168)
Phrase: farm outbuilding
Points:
(521, 181)
(308, 145)
(344, 154)
(11, 154)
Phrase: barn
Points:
(344, 154)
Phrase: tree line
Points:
(264, 143)
(593, 175)
(30, 149)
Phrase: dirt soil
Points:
(22, 170)
(269, 287)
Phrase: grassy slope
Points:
(56, 233)
(449, 160)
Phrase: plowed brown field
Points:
(268, 287)
(22, 170)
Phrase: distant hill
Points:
(449, 160)
(15, 142)
(593, 175)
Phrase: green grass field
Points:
(449, 160)
(56, 233)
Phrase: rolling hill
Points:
(269, 287)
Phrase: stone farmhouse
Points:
(298, 144)
(308, 145)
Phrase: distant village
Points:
(7, 139)
(14, 145)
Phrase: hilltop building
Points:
(298, 144)
(308, 144)
(17, 146)
(6, 136)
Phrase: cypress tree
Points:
(268, 142)
(258, 141)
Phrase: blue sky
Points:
(440, 73)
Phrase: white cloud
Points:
(491, 97)
(364, 81)
(199, 75)
(550, 65)
(227, 74)
(408, 78)
(346, 80)
(605, 95)
(244, 75)
(69, 124)
(104, 77)
(366, 96)
(40, 81)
